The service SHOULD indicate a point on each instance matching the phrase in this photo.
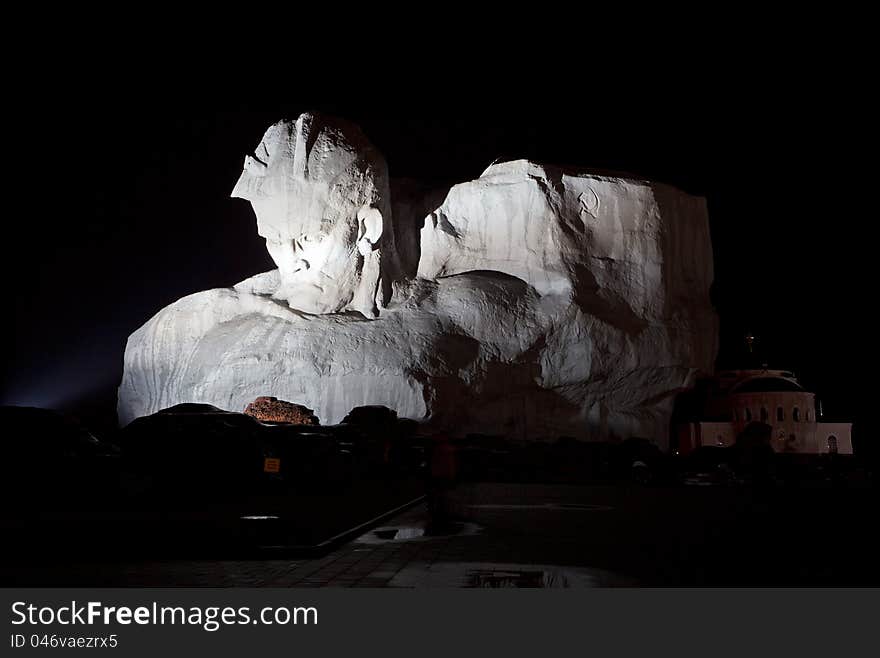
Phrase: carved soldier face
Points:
(319, 188)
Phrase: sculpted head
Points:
(319, 189)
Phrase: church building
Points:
(732, 399)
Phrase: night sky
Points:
(126, 208)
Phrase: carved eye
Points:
(254, 166)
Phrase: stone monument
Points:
(533, 302)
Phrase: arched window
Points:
(809, 417)
(832, 445)
(780, 414)
(796, 415)
(763, 414)
(748, 415)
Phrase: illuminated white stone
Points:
(547, 302)
(320, 193)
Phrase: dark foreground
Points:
(687, 535)
(532, 535)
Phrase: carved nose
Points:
(292, 249)
(288, 255)
(298, 263)
(287, 249)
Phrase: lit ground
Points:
(546, 535)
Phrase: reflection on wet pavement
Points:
(579, 507)
(503, 575)
(399, 533)
(417, 532)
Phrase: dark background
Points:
(122, 206)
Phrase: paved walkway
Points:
(397, 553)
(512, 535)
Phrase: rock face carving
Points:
(320, 193)
(533, 302)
